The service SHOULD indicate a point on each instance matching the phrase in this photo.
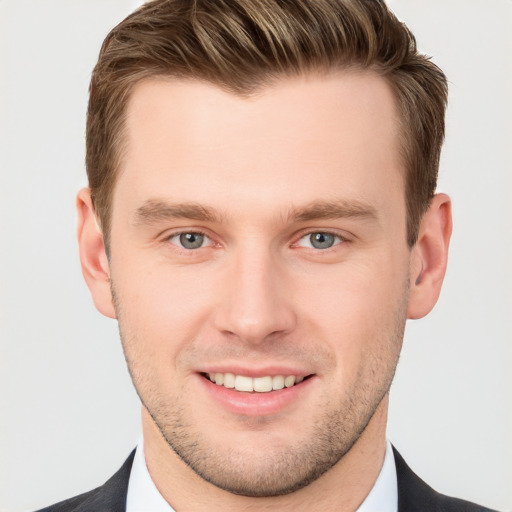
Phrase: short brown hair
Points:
(242, 45)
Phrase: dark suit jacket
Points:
(414, 495)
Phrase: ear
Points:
(429, 257)
(93, 257)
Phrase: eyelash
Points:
(304, 235)
(187, 232)
(340, 240)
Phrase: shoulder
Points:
(72, 504)
(414, 495)
(110, 497)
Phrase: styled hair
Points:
(243, 45)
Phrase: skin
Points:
(314, 154)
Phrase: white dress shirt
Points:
(143, 496)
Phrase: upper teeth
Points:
(258, 384)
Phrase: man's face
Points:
(255, 240)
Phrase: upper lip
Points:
(254, 372)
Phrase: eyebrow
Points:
(155, 210)
(334, 210)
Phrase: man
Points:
(261, 219)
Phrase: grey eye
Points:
(191, 240)
(322, 240)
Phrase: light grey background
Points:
(68, 414)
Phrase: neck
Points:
(343, 488)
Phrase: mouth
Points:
(264, 384)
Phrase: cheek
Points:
(160, 311)
(356, 294)
(163, 294)
(359, 312)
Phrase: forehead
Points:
(324, 136)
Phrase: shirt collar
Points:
(143, 496)
(384, 494)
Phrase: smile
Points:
(254, 384)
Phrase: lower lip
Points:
(257, 404)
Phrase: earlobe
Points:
(93, 256)
(429, 257)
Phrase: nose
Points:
(257, 298)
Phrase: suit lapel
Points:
(110, 497)
(414, 495)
